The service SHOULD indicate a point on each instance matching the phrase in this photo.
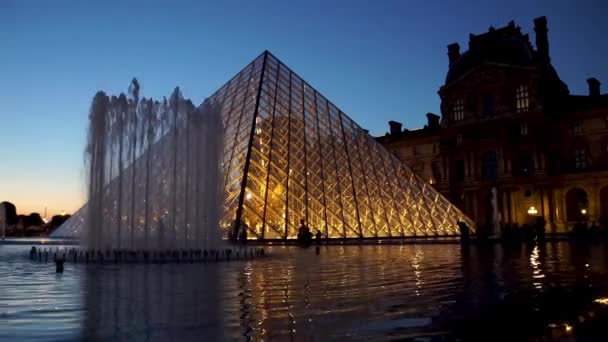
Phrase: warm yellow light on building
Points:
(532, 211)
(602, 300)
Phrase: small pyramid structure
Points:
(290, 155)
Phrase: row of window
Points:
(577, 129)
(522, 103)
(523, 131)
(523, 166)
(489, 166)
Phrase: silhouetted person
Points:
(318, 237)
(539, 228)
(301, 228)
(526, 232)
(594, 229)
(243, 236)
(579, 230)
(464, 231)
(59, 261)
(304, 234)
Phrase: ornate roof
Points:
(505, 45)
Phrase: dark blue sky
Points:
(376, 60)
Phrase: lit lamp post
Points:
(584, 211)
(532, 211)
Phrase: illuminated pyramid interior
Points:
(291, 154)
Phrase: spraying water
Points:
(154, 179)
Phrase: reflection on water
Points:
(554, 290)
(143, 302)
(536, 265)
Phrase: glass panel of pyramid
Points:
(291, 154)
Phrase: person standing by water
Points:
(304, 234)
(301, 228)
(242, 237)
(318, 241)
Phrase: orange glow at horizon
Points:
(58, 206)
(58, 186)
(35, 197)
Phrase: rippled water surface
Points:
(381, 292)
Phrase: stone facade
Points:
(509, 123)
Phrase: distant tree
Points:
(11, 213)
(58, 220)
(34, 219)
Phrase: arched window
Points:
(577, 205)
(459, 170)
(487, 105)
(458, 110)
(489, 165)
(523, 165)
(523, 129)
(580, 159)
(522, 99)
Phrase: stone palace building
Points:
(512, 143)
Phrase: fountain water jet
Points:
(154, 180)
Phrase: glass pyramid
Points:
(291, 154)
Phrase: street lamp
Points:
(584, 211)
(532, 211)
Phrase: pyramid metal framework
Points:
(290, 154)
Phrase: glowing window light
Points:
(602, 300)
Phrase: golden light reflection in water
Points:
(537, 271)
(416, 265)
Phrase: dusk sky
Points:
(376, 60)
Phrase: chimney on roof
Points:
(542, 38)
(432, 120)
(594, 86)
(395, 127)
(453, 52)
